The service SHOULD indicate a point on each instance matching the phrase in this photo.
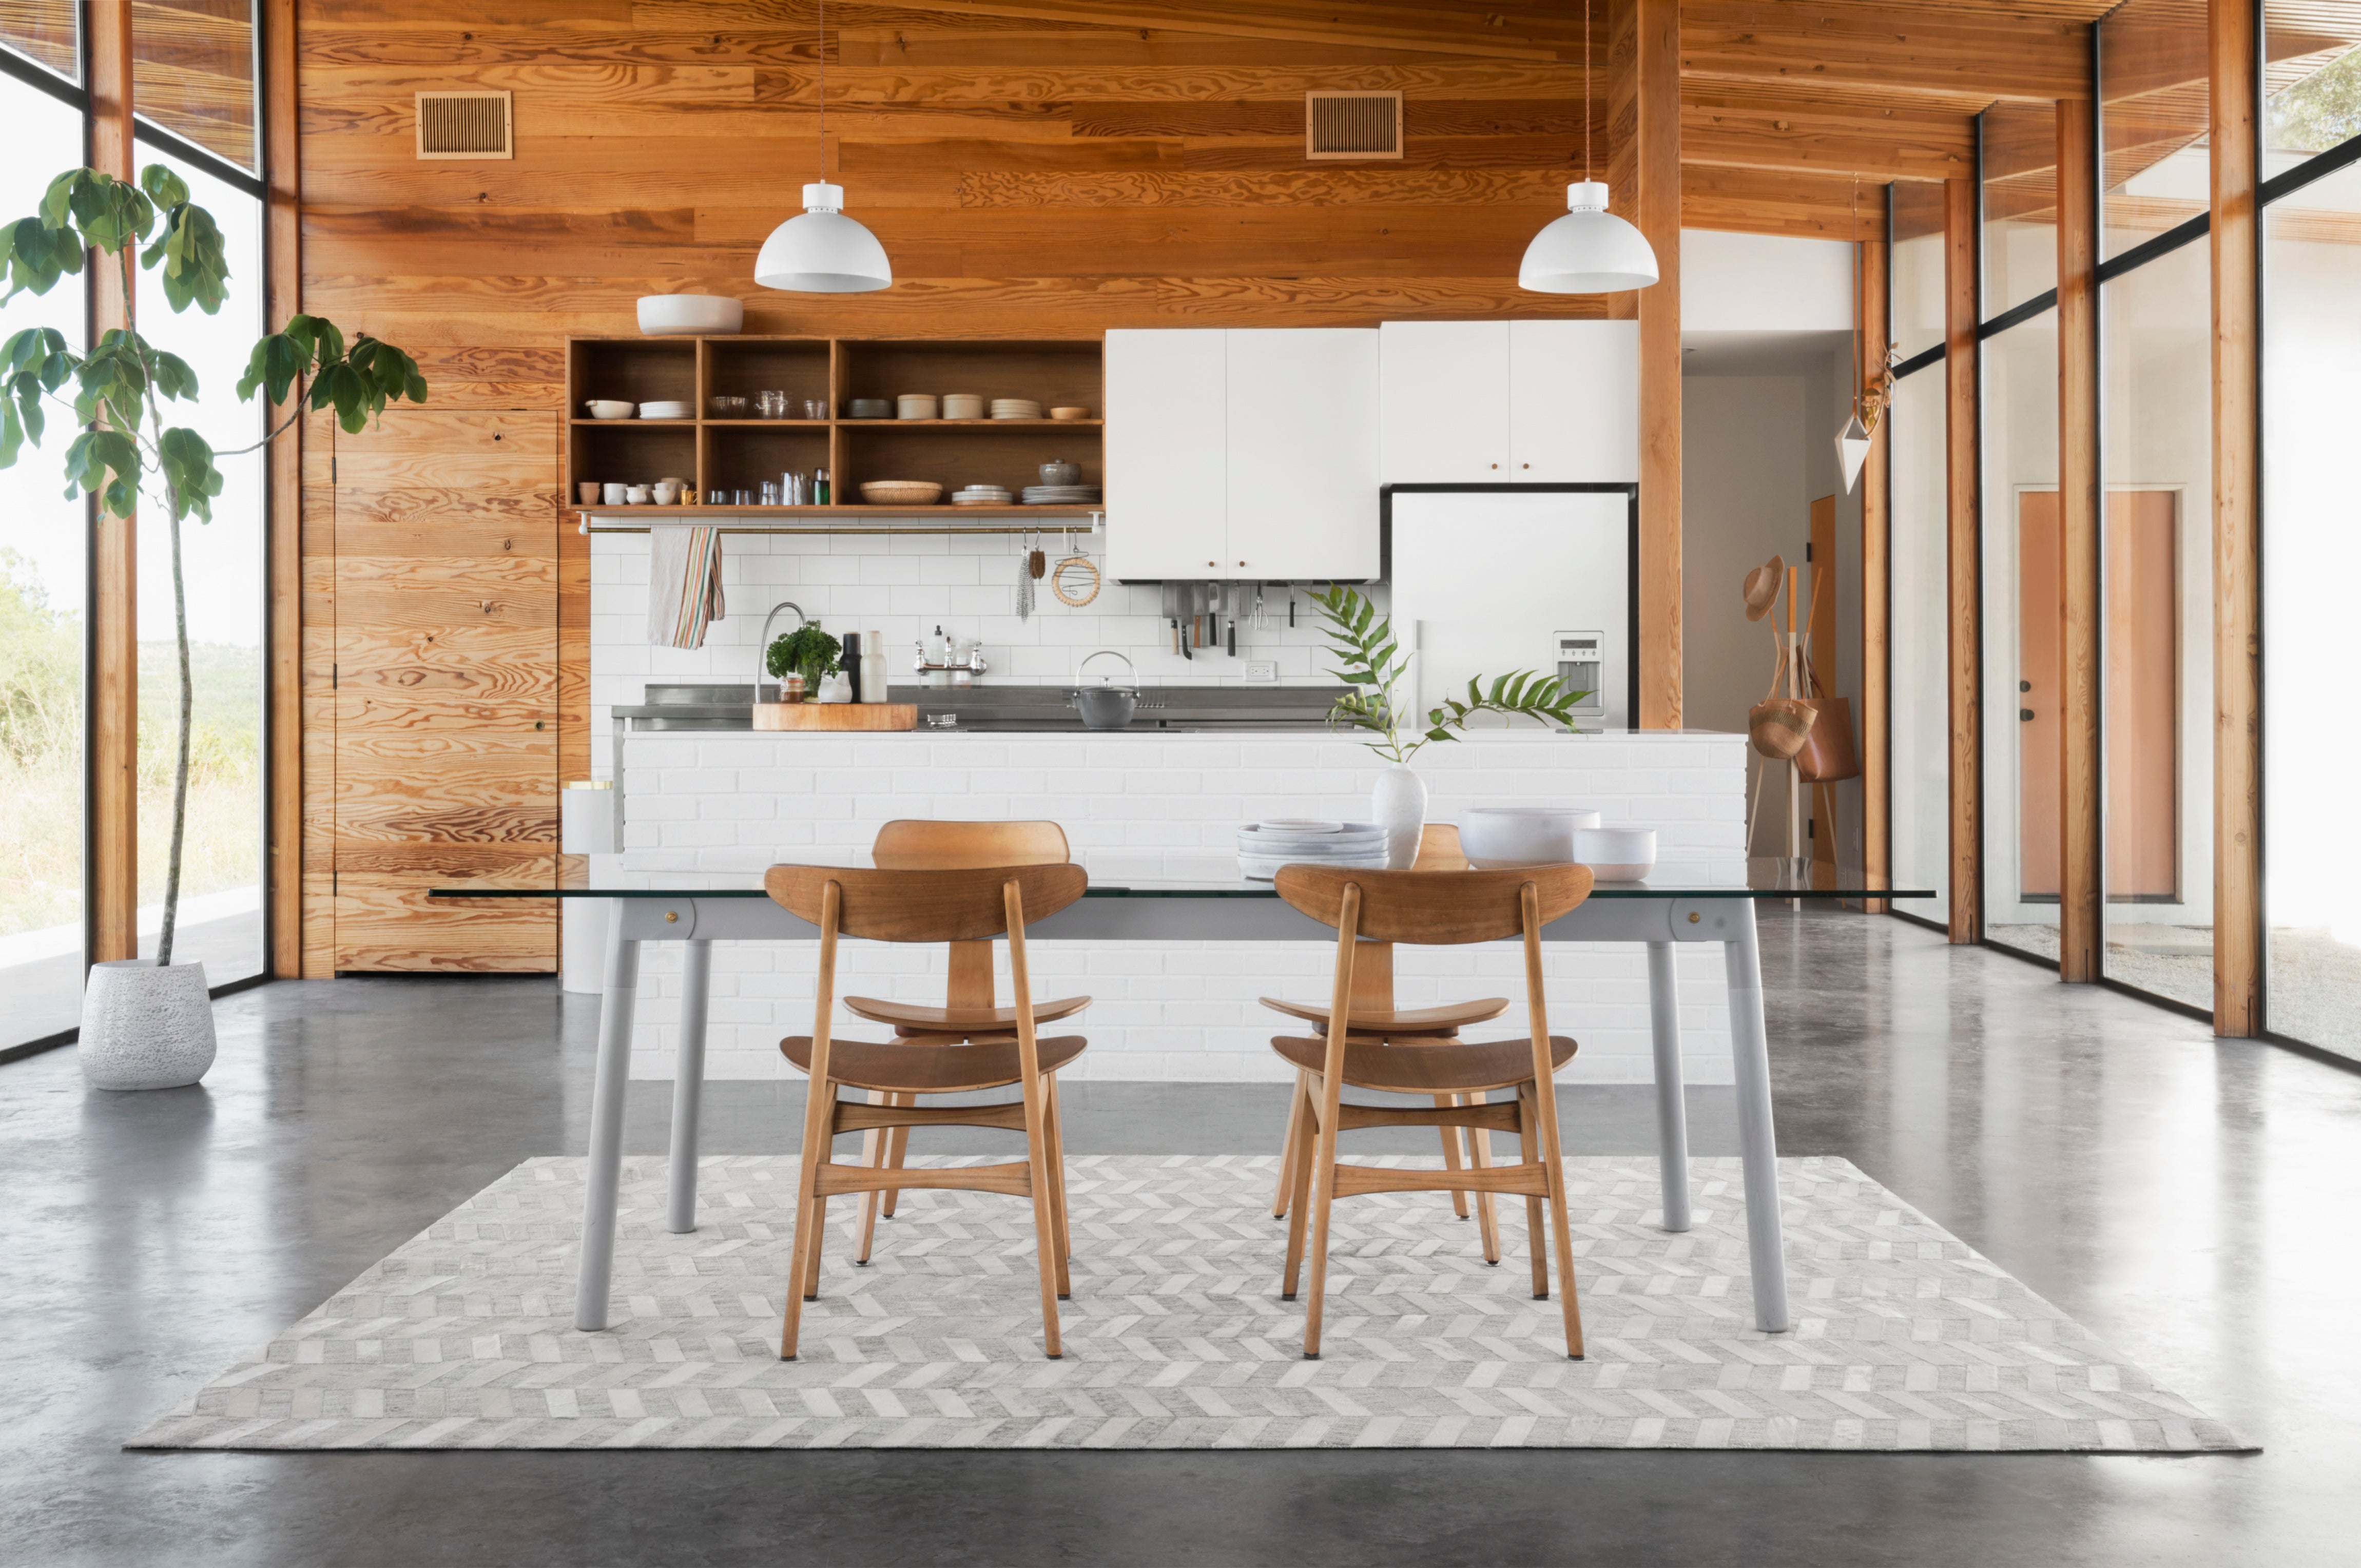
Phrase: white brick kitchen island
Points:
(1148, 804)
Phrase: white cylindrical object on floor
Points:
(582, 943)
(145, 1026)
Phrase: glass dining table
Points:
(1712, 901)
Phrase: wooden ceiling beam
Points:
(1977, 51)
(1795, 133)
(1489, 33)
(1763, 201)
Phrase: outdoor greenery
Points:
(2321, 111)
(1373, 666)
(115, 394)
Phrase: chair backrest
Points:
(1434, 908)
(912, 843)
(963, 904)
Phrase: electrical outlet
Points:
(1262, 672)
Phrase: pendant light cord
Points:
(821, 51)
(1586, 92)
(1859, 276)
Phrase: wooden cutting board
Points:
(835, 715)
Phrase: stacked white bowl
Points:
(1263, 847)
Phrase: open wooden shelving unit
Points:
(740, 452)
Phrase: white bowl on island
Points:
(669, 315)
(1616, 854)
(1502, 838)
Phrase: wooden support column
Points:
(1643, 104)
(1873, 314)
(2237, 240)
(110, 669)
(1963, 449)
(2081, 900)
(283, 280)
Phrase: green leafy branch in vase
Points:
(1373, 664)
(113, 396)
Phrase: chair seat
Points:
(1453, 1067)
(908, 1017)
(1445, 1020)
(899, 1067)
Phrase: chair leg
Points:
(1323, 1198)
(1536, 1227)
(818, 1245)
(1479, 1149)
(897, 1149)
(1567, 1296)
(1045, 1223)
(874, 1144)
(1062, 1248)
(1452, 1152)
(1288, 1154)
(1300, 1191)
(798, 1262)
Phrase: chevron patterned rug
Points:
(1905, 1339)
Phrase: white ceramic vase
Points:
(1398, 805)
(144, 1027)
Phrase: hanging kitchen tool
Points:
(1074, 579)
(1023, 586)
(1036, 560)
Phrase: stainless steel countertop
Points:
(1014, 709)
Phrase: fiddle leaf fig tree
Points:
(1374, 664)
(115, 395)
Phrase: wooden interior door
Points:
(445, 693)
(2040, 697)
(2142, 660)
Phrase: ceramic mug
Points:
(639, 496)
(589, 491)
(617, 495)
(667, 492)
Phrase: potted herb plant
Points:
(1373, 665)
(806, 653)
(150, 1025)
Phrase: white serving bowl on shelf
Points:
(611, 408)
(1499, 838)
(1616, 854)
(663, 315)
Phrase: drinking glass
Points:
(771, 405)
(770, 492)
(815, 408)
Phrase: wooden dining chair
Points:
(967, 1011)
(1374, 1014)
(962, 905)
(1432, 908)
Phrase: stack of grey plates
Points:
(1263, 847)
(1059, 494)
(982, 496)
(1015, 407)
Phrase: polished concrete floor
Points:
(2197, 1203)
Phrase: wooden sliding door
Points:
(445, 693)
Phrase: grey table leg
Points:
(1672, 1113)
(1750, 1054)
(688, 1087)
(615, 1007)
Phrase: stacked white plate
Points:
(1263, 847)
(1059, 494)
(982, 496)
(666, 411)
(1015, 407)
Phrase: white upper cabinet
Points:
(1167, 452)
(1573, 402)
(1445, 401)
(1245, 454)
(1303, 453)
(1510, 402)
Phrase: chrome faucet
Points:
(762, 643)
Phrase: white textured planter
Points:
(144, 1027)
(1398, 805)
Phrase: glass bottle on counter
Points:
(871, 676)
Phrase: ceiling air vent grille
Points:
(1352, 125)
(463, 125)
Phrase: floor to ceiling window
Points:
(1918, 651)
(194, 79)
(43, 579)
(2311, 542)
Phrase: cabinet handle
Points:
(1524, 465)
(1242, 563)
(1495, 465)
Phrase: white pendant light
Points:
(1589, 250)
(823, 252)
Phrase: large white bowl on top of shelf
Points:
(675, 316)
(1498, 837)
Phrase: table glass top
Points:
(1218, 877)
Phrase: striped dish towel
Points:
(683, 584)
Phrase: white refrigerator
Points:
(1488, 580)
